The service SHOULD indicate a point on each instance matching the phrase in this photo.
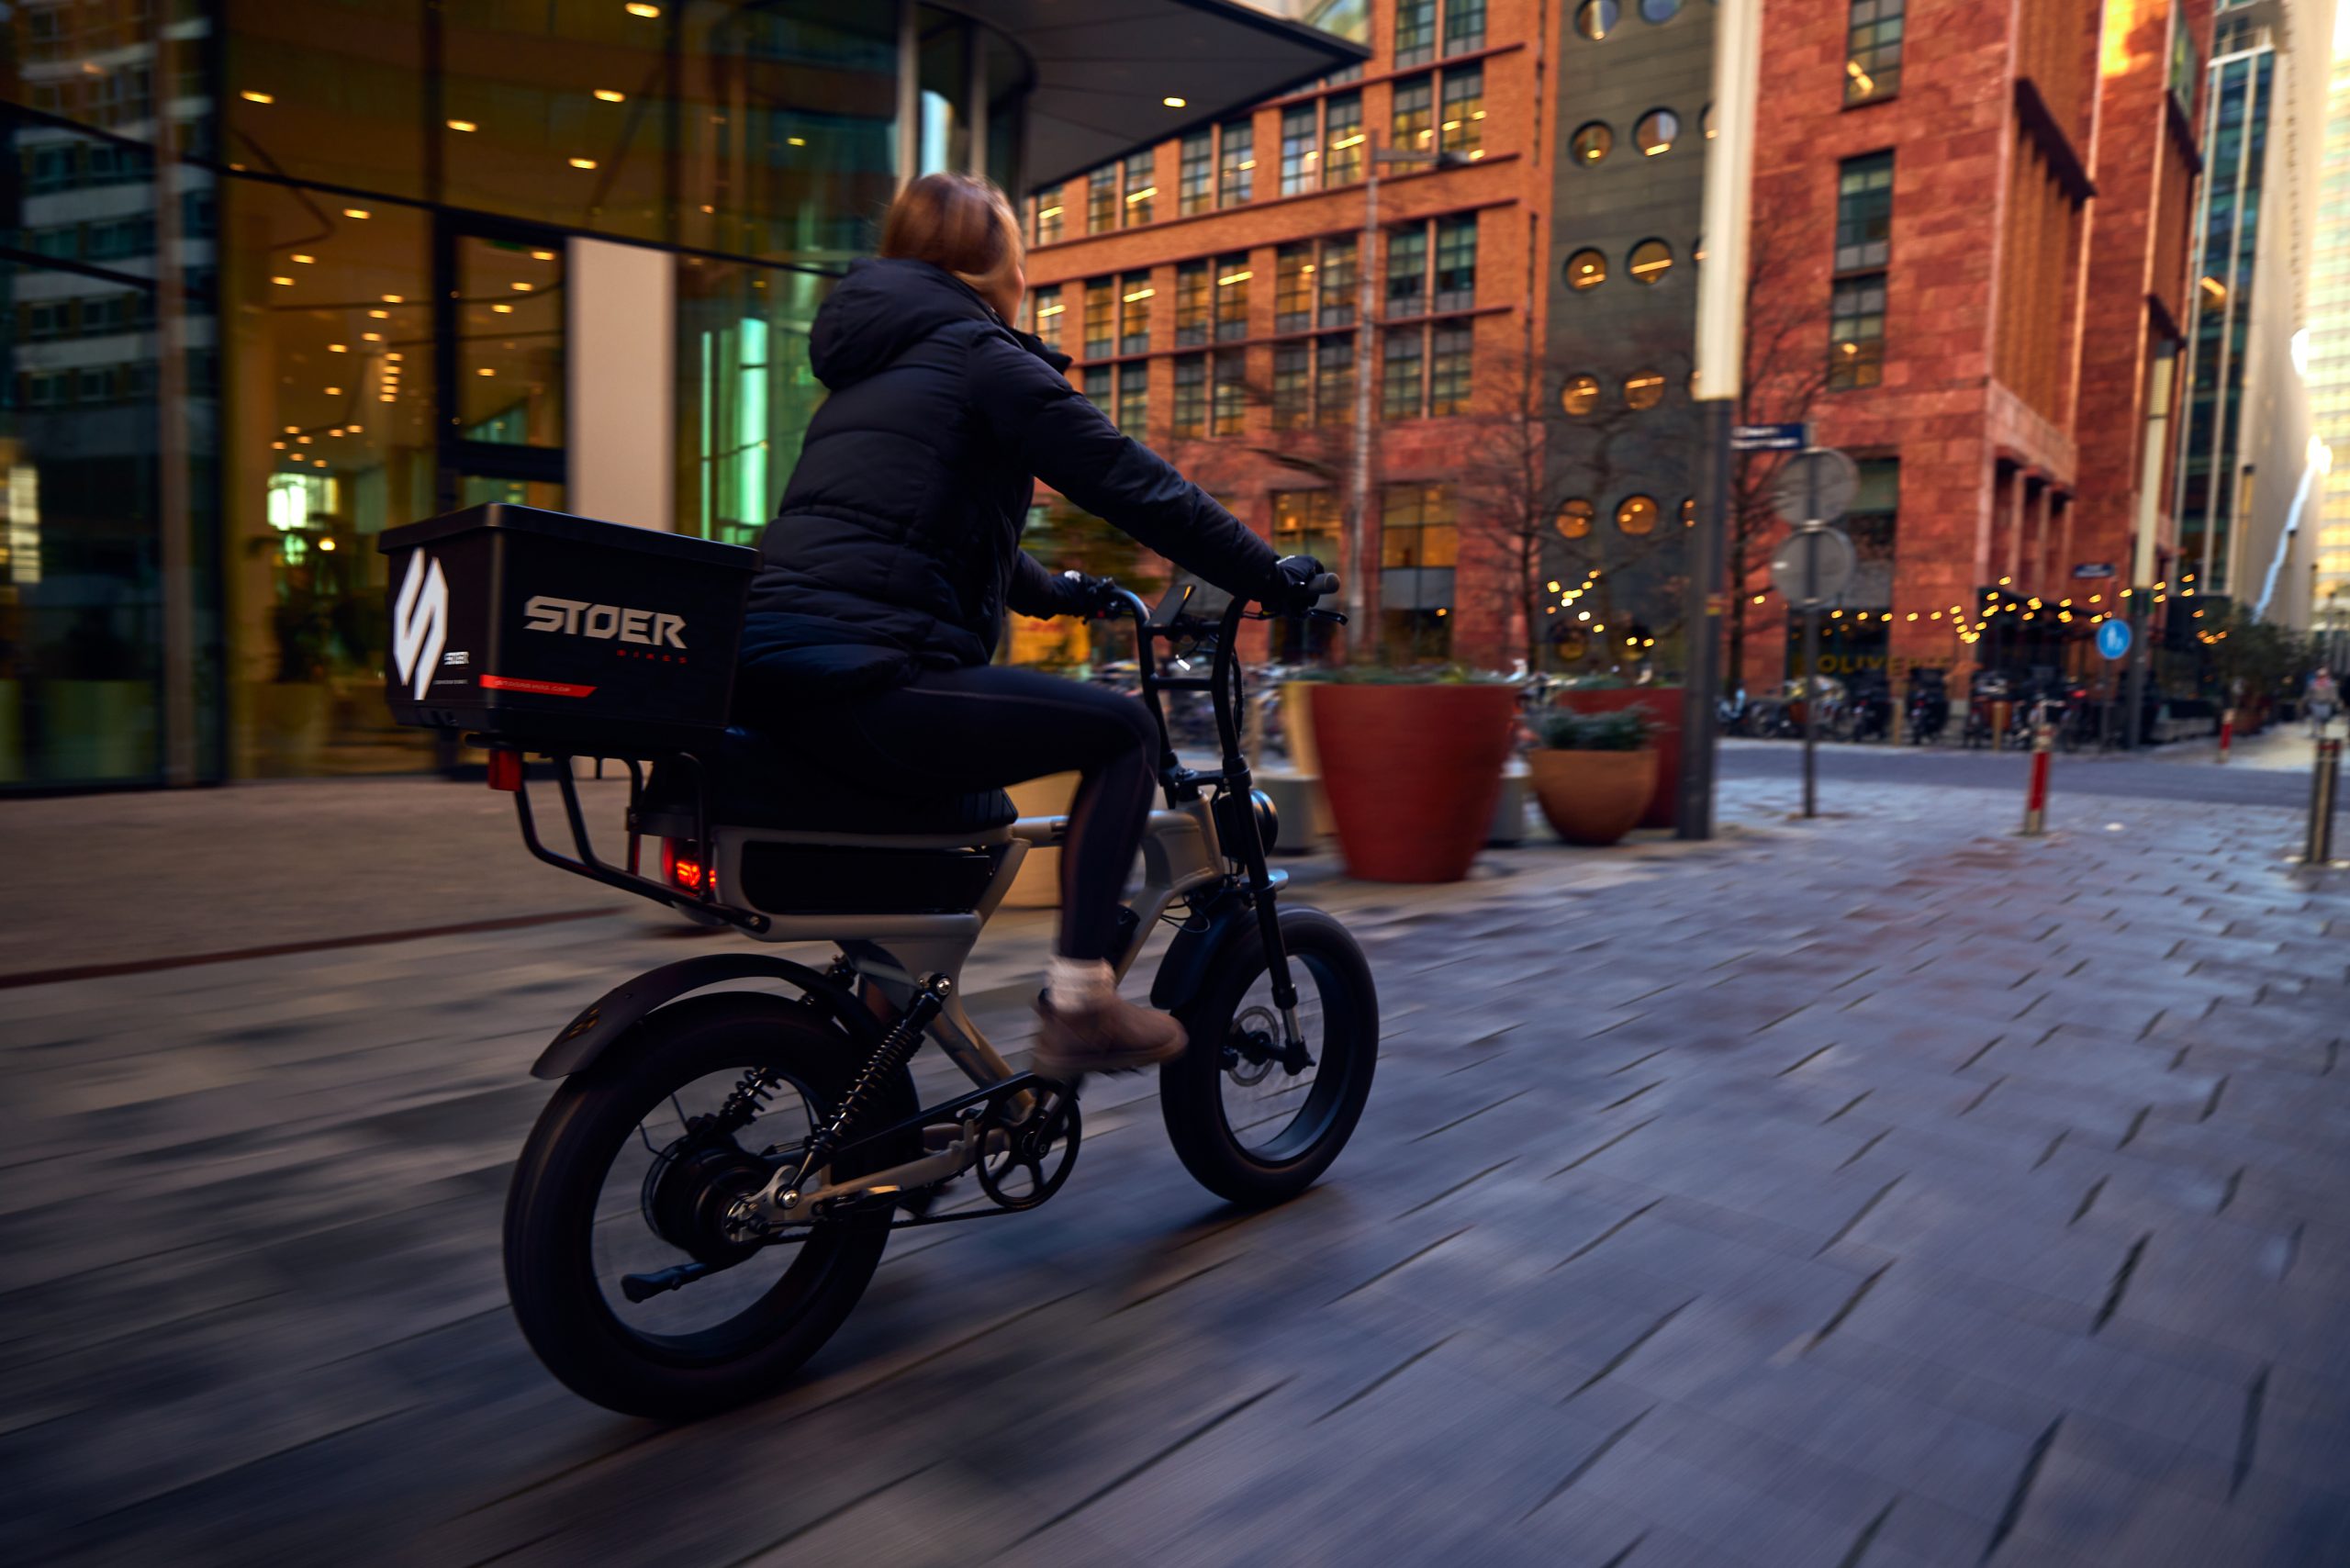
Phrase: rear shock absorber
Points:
(895, 1048)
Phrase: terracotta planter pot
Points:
(1412, 773)
(1594, 797)
(1664, 704)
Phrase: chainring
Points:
(1042, 1143)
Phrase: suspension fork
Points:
(1228, 700)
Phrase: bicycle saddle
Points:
(756, 782)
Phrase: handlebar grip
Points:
(1324, 585)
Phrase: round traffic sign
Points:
(1814, 485)
(1813, 566)
(2113, 638)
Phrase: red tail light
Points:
(682, 866)
(506, 769)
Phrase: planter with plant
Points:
(1412, 765)
(1593, 773)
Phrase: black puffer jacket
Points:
(897, 547)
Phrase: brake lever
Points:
(1334, 617)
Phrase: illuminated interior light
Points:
(639, 8)
(283, 282)
(610, 94)
(254, 95)
(392, 299)
(484, 370)
(359, 212)
(1143, 195)
(1175, 103)
(581, 162)
(1230, 278)
(503, 309)
(542, 255)
(301, 260)
(795, 142)
(325, 544)
(463, 125)
(335, 392)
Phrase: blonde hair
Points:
(961, 224)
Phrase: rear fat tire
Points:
(550, 1210)
(1190, 1093)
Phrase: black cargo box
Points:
(560, 633)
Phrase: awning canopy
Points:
(1106, 68)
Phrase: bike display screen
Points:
(1187, 596)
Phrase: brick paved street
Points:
(1885, 1190)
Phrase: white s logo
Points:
(421, 622)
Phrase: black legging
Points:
(953, 731)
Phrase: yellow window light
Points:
(463, 125)
(639, 8)
(1143, 195)
(283, 282)
(582, 163)
(392, 299)
(1138, 294)
(542, 255)
(1172, 102)
(358, 212)
(1230, 278)
(301, 260)
(484, 370)
(795, 142)
(254, 96)
(611, 95)
(502, 308)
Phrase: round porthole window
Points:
(1660, 10)
(1591, 143)
(1650, 261)
(1636, 516)
(1656, 132)
(1586, 270)
(1644, 388)
(1574, 518)
(1595, 19)
(1579, 396)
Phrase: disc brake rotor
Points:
(1251, 1049)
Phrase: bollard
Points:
(2227, 731)
(2318, 849)
(2035, 800)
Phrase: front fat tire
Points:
(1190, 1087)
(550, 1262)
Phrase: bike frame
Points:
(915, 960)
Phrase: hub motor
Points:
(691, 1186)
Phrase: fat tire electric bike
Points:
(714, 1182)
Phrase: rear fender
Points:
(612, 1015)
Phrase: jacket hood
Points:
(879, 310)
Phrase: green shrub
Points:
(1627, 729)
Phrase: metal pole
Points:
(1720, 367)
(2317, 848)
(2035, 800)
(1810, 705)
(1361, 635)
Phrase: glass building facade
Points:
(2329, 359)
(2244, 83)
(279, 276)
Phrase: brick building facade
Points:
(1995, 337)
(1209, 289)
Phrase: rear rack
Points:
(508, 773)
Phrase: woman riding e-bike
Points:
(896, 553)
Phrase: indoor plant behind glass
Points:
(1593, 772)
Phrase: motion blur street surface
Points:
(1885, 1189)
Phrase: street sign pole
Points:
(1811, 597)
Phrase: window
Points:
(1586, 270)
(1636, 516)
(1306, 522)
(1414, 124)
(1399, 381)
(1856, 332)
(1464, 26)
(1595, 19)
(1658, 12)
(1449, 368)
(1096, 386)
(1293, 386)
(1191, 304)
(1463, 127)
(1418, 542)
(1416, 527)
(1650, 261)
(1644, 390)
(1656, 131)
(1592, 143)
(1190, 395)
(1236, 169)
(1134, 294)
(1415, 31)
(1232, 275)
(1338, 285)
(1048, 216)
(1195, 173)
(1142, 187)
(1334, 380)
(1294, 289)
(1407, 271)
(1298, 153)
(1863, 212)
(1689, 512)
(1046, 305)
(1100, 315)
(1102, 199)
(1579, 396)
(1873, 51)
(1133, 400)
(1231, 371)
(1573, 521)
(1870, 521)
(1342, 123)
(1456, 262)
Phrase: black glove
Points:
(1077, 593)
(1301, 582)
